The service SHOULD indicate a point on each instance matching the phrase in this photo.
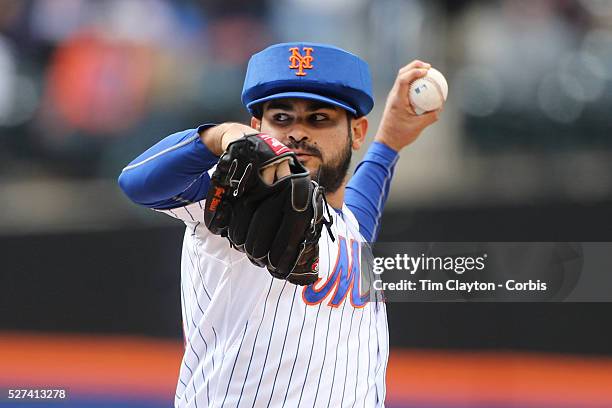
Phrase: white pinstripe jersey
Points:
(253, 341)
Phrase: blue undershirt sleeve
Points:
(367, 191)
(172, 173)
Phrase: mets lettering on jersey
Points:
(344, 279)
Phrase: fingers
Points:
(413, 65)
(428, 118)
(267, 174)
(409, 73)
(230, 132)
(400, 124)
(406, 78)
(276, 171)
(283, 170)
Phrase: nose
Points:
(297, 139)
(298, 132)
(297, 136)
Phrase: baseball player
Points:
(274, 313)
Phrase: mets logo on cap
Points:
(309, 71)
(299, 61)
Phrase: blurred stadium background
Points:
(89, 295)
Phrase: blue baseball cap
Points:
(309, 71)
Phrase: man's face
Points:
(319, 133)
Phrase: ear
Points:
(360, 130)
(255, 123)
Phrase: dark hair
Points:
(258, 111)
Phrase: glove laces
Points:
(327, 221)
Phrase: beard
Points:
(330, 174)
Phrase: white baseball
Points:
(429, 92)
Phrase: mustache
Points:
(306, 148)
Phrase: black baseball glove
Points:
(276, 225)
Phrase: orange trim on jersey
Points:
(491, 378)
(101, 365)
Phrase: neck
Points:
(336, 198)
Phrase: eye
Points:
(319, 117)
(281, 117)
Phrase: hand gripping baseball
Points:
(277, 225)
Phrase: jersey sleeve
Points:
(170, 174)
(367, 191)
